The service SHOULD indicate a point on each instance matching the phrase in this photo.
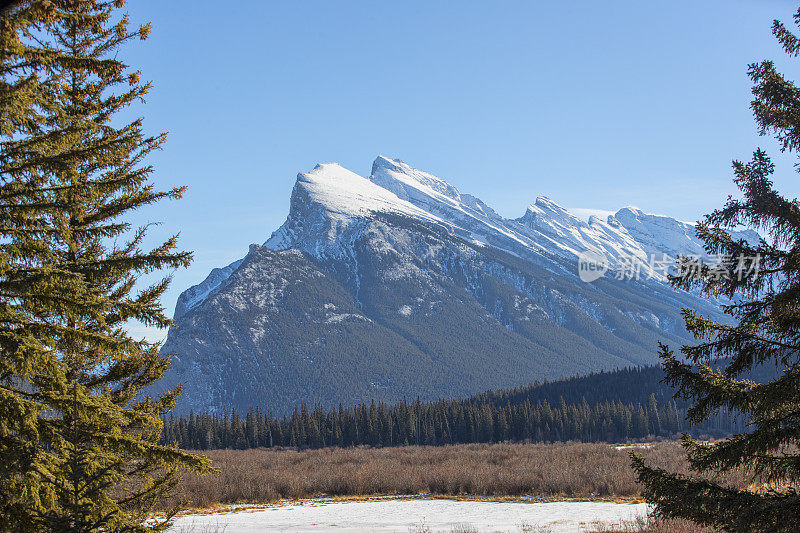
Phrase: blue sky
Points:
(593, 104)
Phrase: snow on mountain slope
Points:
(586, 213)
(329, 199)
(467, 214)
(192, 297)
(345, 194)
(571, 236)
(659, 234)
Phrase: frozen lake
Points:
(417, 515)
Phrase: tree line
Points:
(521, 415)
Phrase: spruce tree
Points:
(78, 440)
(762, 282)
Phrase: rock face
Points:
(398, 285)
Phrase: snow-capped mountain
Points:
(398, 285)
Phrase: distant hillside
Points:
(629, 404)
(629, 385)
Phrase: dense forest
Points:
(629, 404)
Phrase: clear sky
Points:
(593, 104)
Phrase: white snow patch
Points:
(585, 213)
(631, 446)
(338, 318)
(405, 310)
(394, 515)
(346, 193)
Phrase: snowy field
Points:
(419, 515)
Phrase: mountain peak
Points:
(544, 213)
(327, 199)
(340, 191)
(545, 203)
(407, 181)
(386, 162)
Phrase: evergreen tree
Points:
(763, 282)
(78, 442)
(21, 102)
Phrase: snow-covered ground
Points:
(423, 515)
(632, 446)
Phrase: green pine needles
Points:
(763, 283)
(78, 441)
